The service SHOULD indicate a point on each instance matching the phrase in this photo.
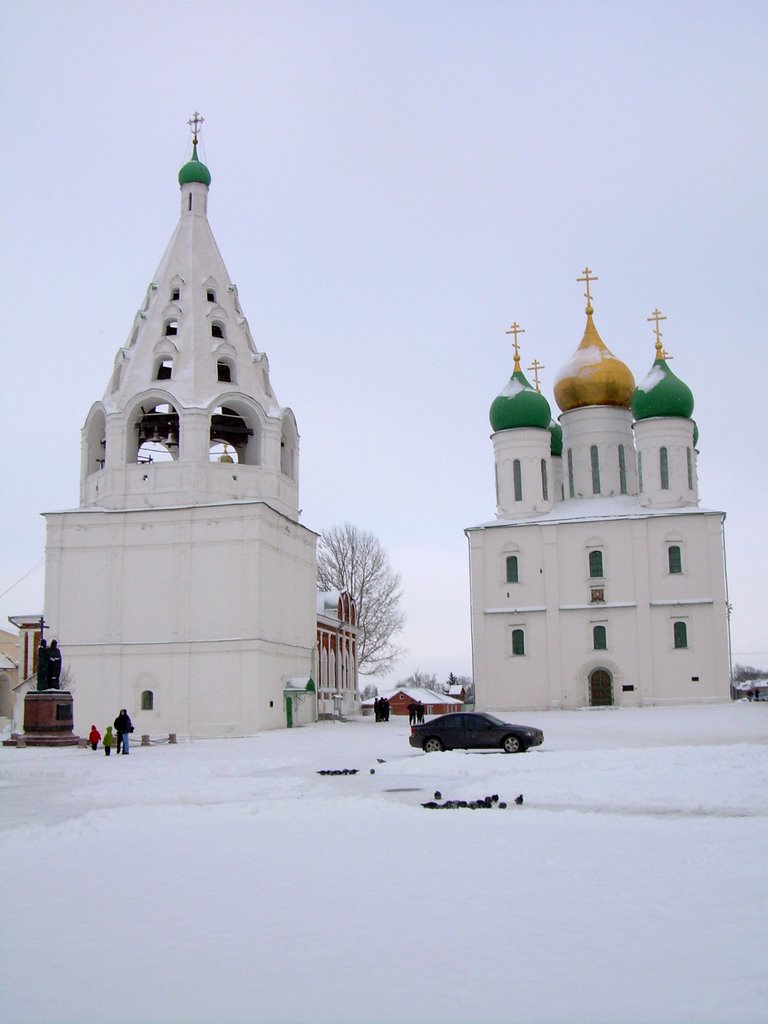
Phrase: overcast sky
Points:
(393, 184)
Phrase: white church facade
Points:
(184, 586)
(601, 581)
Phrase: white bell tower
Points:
(183, 588)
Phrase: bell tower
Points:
(183, 586)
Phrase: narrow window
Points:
(594, 458)
(596, 564)
(189, 207)
(640, 471)
(675, 559)
(224, 371)
(599, 638)
(512, 569)
(664, 468)
(681, 634)
(164, 369)
(518, 641)
(690, 468)
(171, 328)
(210, 295)
(622, 471)
(544, 483)
(147, 700)
(175, 294)
(570, 471)
(217, 331)
(518, 480)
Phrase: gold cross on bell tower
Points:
(195, 123)
(656, 316)
(588, 276)
(516, 329)
(536, 366)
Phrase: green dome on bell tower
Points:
(195, 170)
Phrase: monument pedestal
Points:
(48, 719)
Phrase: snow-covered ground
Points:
(226, 881)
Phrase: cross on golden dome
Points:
(195, 123)
(656, 316)
(535, 367)
(588, 276)
(516, 329)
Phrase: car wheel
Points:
(512, 745)
(432, 745)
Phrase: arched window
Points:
(570, 472)
(599, 638)
(544, 483)
(224, 371)
(596, 564)
(622, 470)
(512, 569)
(680, 634)
(171, 328)
(675, 558)
(210, 294)
(689, 458)
(594, 458)
(217, 329)
(518, 641)
(147, 700)
(164, 369)
(517, 478)
(664, 468)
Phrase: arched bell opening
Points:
(157, 433)
(95, 449)
(600, 688)
(288, 446)
(235, 435)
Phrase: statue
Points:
(54, 665)
(42, 665)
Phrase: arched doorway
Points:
(600, 688)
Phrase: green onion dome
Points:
(194, 170)
(661, 393)
(519, 405)
(556, 435)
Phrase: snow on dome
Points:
(593, 375)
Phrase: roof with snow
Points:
(416, 693)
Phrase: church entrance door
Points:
(600, 689)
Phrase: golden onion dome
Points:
(593, 376)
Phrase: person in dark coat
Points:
(384, 709)
(419, 712)
(123, 726)
(412, 709)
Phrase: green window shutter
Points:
(518, 641)
(599, 638)
(512, 569)
(596, 564)
(681, 634)
(664, 468)
(675, 559)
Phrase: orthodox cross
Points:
(516, 329)
(195, 123)
(588, 276)
(536, 366)
(656, 316)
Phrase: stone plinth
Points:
(48, 719)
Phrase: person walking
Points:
(108, 741)
(123, 726)
(419, 713)
(93, 737)
(412, 709)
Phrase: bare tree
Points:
(352, 559)
(420, 681)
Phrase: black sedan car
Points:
(465, 730)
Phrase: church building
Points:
(183, 588)
(601, 581)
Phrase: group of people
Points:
(415, 712)
(381, 709)
(122, 726)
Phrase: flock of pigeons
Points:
(488, 802)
